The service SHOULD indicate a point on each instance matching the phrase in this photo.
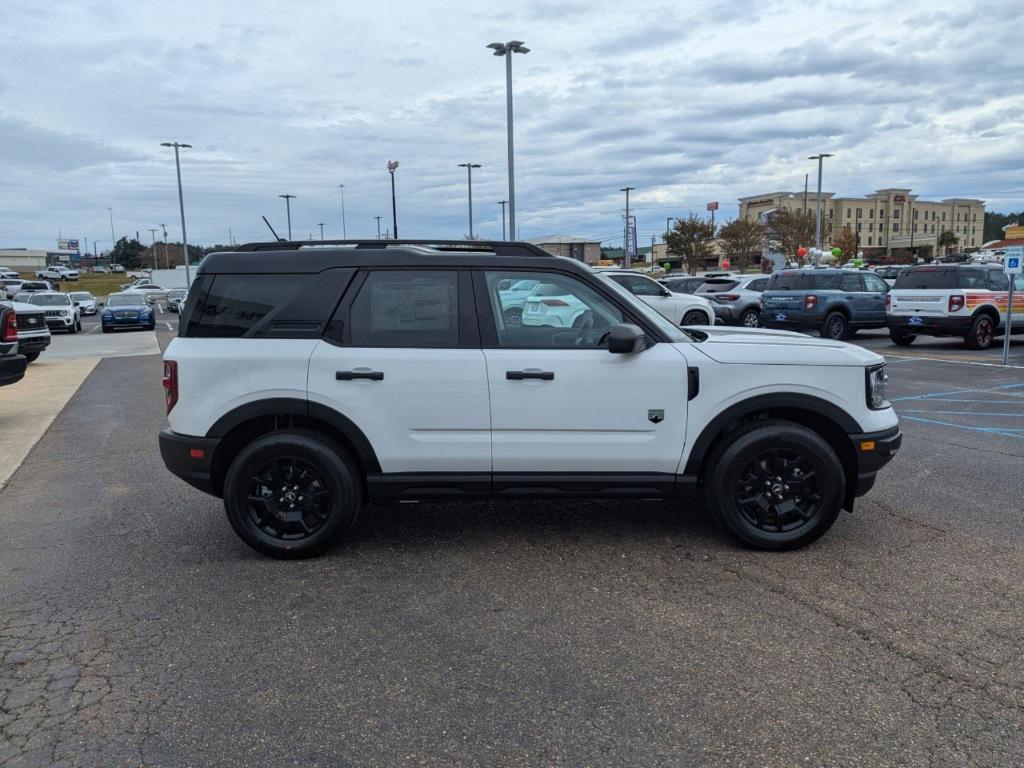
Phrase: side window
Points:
(974, 278)
(998, 281)
(642, 286)
(560, 312)
(850, 283)
(406, 309)
(875, 284)
(757, 285)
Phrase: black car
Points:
(35, 286)
(683, 284)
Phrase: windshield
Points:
(81, 296)
(50, 299)
(177, 293)
(664, 324)
(125, 300)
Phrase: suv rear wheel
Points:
(902, 339)
(292, 494)
(981, 334)
(776, 485)
(750, 319)
(836, 326)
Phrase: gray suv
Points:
(736, 299)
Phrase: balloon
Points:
(725, 263)
(801, 251)
(837, 252)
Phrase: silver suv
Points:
(736, 299)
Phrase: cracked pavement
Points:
(136, 629)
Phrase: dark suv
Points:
(834, 302)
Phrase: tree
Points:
(690, 240)
(994, 223)
(846, 240)
(795, 229)
(947, 239)
(128, 253)
(741, 239)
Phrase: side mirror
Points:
(78, 303)
(626, 339)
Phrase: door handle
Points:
(350, 375)
(520, 375)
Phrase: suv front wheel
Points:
(776, 485)
(292, 494)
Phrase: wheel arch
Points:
(241, 425)
(987, 309)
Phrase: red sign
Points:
(713, 206)
(899, 198)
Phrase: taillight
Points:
(723, 297)
(170, 383)
(810, 301)
(888, 302)
(956, 303)
(10, 330)
(554, 303)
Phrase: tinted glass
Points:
(850, 283)
(802, 281)
(81, 296)
(927, 278)
(757, 285)
(875, 284)
(406, 309)
(998, 281)
(718, 285)
(50, 300)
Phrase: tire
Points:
(835, 327)
(323, 479)
(750, 318)
(78, 325)
(694, 317)
(513, 318)
(106, 329)
(31, 357)
(901, 339)
(73, 328)
(981, 334)
(742, 500)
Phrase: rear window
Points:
(295, 306)
(718, 285)
(927, 278)
(802, 281)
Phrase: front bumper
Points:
(873, 450)
(12, 369)
(930, 325)
(128, 322)
(29, 344)
(190, 458)
(60, 323)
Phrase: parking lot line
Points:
(901, 358)
(984, 430)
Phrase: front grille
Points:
(30, 322)
(53, 313)
(124, 314)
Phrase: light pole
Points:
(113, 240)
(288, 206)
(625, 239)
(344, 229)
(392, 167)
(817, 207)
(503, 203)
(181, 205)
(152, 244)
(378, 218)
(321, 230)
(469, 177)
(167, 259)
(506, 50)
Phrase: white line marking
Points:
(160, 307)
(958, 362)
(168, 326)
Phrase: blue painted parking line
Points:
(983, 430)
(964, 413)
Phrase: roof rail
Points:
(498, 247)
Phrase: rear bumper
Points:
(769, 319)
(190, 458)
(944, 326)
(873, 451)
(12, 369)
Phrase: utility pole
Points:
(113, 240)
(288, 206)
(503, 203)
(469, 177)
(321, 230)
(378, 218)
(181, 206)
(344, 229)
(817, 209)
(625, 239)
(392, 167)
(152, 244)
(805, 192)
(167, 259)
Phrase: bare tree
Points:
(690, 240)
(741, 239)
(846, 241)
(795, 228)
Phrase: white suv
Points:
(307, 381)
(61, 312)
(680, 308)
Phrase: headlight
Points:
(63, 311)
(876, 380)
(107, 316)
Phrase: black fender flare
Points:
(757, 404)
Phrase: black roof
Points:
(318, 255)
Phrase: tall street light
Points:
(625, 239)
(817, 207)
(321, 230)
(152, 244)
(113, 239)
(181, 206)
(506, 50)
(469, 177)
(378, 218)
(344, 229)
(503, 203)
(167, 259)
(288, 206)
(392, 167)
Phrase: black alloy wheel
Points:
(982, 333)
(835, 326)
(694, 317)
(288, 498)
(778, 490)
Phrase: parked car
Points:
(99, 269)
(49, 273)
(33, 286)
(683, 284)
(399, 379)
(12, 364)
(736, 300)
(9, 274)
(116, 268)
(175, 299)
(66, 273)
(33, 333)
(153, 291)
(953, 300)
(12, 285)
(834, 302)
(889, 274)
(680, 308)
(84, 300)
(127, 310)
(61, 312)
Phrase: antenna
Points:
(271, 230)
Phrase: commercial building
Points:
(885, 220)
(22, 259)
(579, 248)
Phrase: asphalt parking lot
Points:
(135, 628)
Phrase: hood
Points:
(764, 346)
(21, 307)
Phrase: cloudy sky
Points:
(687, 102)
